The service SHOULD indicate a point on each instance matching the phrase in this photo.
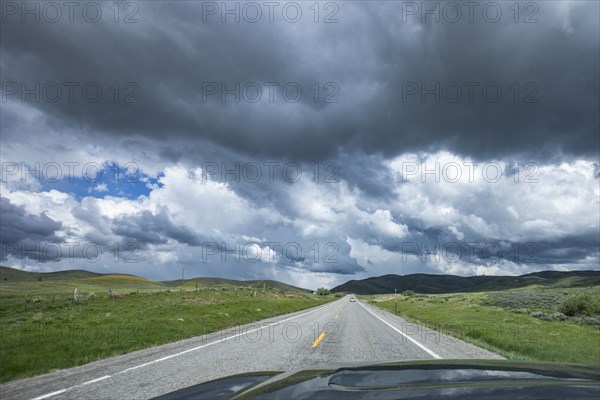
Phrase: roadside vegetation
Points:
(559, 325)
(52, 324)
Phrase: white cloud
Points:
(370, 233)
(542, 202)
(101, 187)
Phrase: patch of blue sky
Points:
(100, 180)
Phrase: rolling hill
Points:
(221, 282)
(433, 284)
(17, 275)
(420, 283)
(10, 275)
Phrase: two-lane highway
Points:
(337, 333)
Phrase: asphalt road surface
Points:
(335, 334)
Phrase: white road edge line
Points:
(72, 387)
(61, 391)
(434, 355)
(53, 393)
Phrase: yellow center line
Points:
(337, 316)
(316, 343)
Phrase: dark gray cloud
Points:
(367, 173)
(18, 225)
(23, 234)
(569, 249)
(371, 54)
(147, 228)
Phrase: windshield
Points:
(192, 190)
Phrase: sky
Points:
(307, 142)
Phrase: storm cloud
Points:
(353, 118)
(21, 232)
(403, 84)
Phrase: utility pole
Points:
(396, 300)
(182, 271)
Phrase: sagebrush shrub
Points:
(584, 303)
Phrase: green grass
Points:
(516, 336)
(42, 328)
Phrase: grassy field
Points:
(43, 327)
(519, 324)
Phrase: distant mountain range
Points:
(15, 275)
(419, 283)
(431, 284)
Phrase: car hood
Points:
(439, 379)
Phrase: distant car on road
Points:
(352, 299)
